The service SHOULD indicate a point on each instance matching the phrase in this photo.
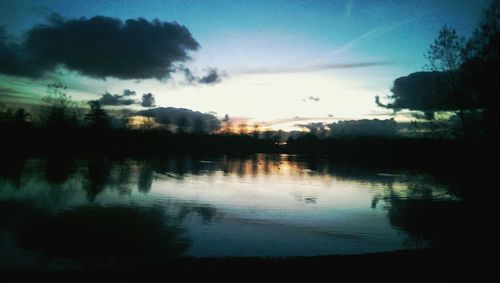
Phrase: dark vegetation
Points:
(124, 242)
(455, 101)
(461, 77)
(460, 84)
(349, 268)
(63, 133)
(61, 129)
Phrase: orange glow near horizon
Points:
(136, 122)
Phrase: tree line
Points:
(460, 79)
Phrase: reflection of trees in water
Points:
(424, 187)
(407, 199)
(59, 170)
(437, 221)
(120, 180)
(267, 163)
(96, 234)
(145, 179)
(175, 165)
(414, 186)
(200, 166)
(424, 209)
(123, 175)
(181, 165)
(99, 173)
(96, 176)
(206, 212)
(11, 170)
(252, 165)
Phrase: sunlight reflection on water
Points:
(256, 205)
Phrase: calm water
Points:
(58, 214)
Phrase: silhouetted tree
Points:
(5, 115)
(61, 111)
(97, 118)
(446, 55)
(242, 128)
(267, 134)
(256, 130)
(482, 61)
(227, 125)
(278, 136)
(18, 118)
(462, 76)
(21, 117)
(122, 119)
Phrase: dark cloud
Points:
(313, 98)
(115, 99)
(213, 76)
(432, 91)
(188, 75)
(98, 47)
(353, 128)
(128, 92)
(127, 98)
(12, 59)
(315, 128)
(425, 91)
(364, 128)
(148, 100)
(191, 121)
(296, 119)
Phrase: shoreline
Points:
(420, 265)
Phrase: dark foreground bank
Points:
(400, 266)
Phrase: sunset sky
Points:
(278, 62)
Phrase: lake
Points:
(68, 213)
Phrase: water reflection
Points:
(11, 171)
(135, 210)
(95, 234)
(206, 212)
(96, 177)
(145, 176)
(59, 170)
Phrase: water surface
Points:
(58, 214)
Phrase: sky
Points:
(276, 62)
